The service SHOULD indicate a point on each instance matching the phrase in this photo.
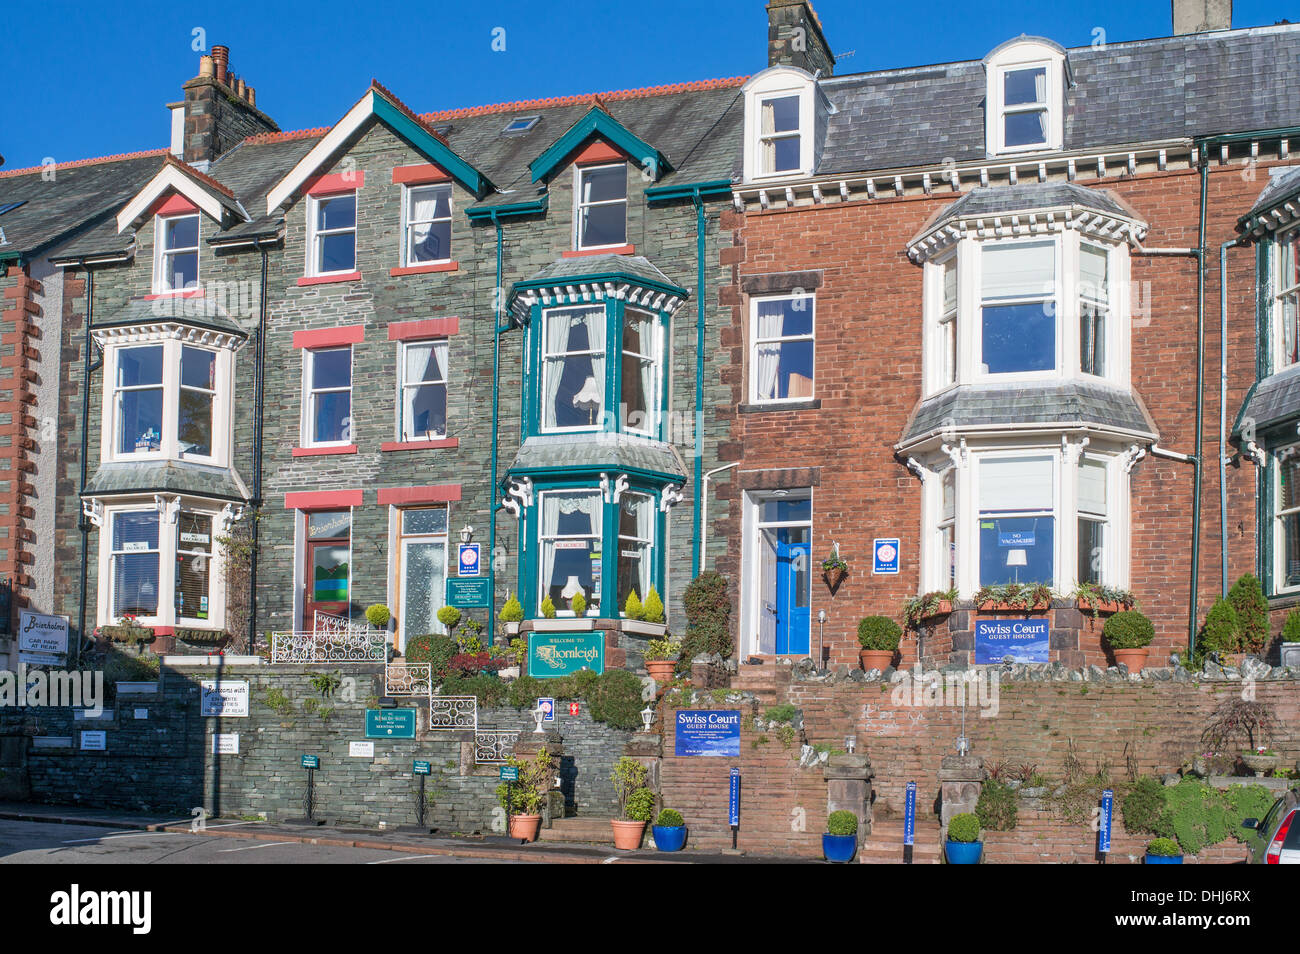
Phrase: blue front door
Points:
(792, 597)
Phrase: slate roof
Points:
(165, 476)
(603, 451)
(1274, 400)
(1284, 185)
(633, 266)
(1141, 91)
(999, 200)
(196, 312)
(1049, 402)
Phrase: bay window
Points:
(422, 410)
(573, 368)
(193, 566)
(782, 332)
(427, 230)
(138, 399)
(134, 565)
(327, 409)
(639, 394)
(1017, 522)
(331, 234)
(1093, 528)
(1286, 510)
(570, 548)
(601, 209)
(198, 389)
(1286, 301)
(176, 259)
(1018, 312)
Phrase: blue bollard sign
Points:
(733, 799)
(909, 815)
(1107, 813)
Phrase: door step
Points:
(582, 830)
(884, 846)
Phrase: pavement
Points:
(30, 836)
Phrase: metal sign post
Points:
(909, 823)
(733, 805)
(311, 763)
(1103, 828)
(509, 774)
(421, 770)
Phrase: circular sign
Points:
(886, 552)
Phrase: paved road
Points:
(43, 843)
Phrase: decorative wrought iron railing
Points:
(334, 639)
(408, 679)
(492, 746)
(450, 713)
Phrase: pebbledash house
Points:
(958, 325)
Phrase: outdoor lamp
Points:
(647, 717)
(466, 532)
(850, 743)
(538, 715)
(963, 745)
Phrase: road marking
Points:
(260, 821)
(612, 859)
(112, 835)
(269, 844)
(390, 861)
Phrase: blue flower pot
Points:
(1164, 859)
(669, 838)
(963, 852)
(839, 848)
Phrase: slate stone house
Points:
(960, 321)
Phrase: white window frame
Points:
(1106, 305)
(409, 224)
(310, 391)
(161, 270)
(1010, 58)
(196, 622)
(547, 368)
(403, 385)
(314, 234)
(1280, 291)
(755, 341)
(774, 83)
(647, 546)
(579, 205)
(751, 584)
(168, 540)
(654, 398)
(938, 321)
(1280, 455)
(169, 445)
(1108, 569)
(396, 570)
(1057, 297)
(597, 534)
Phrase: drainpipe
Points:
(496, 409)
(704, 503)
(1223, 408)
(1194, 575)
(259, 392)
(90, 367)
(697, 546)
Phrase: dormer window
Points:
(1025, 97)
(601, 209)
(176, 263)
(784, 113)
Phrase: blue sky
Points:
(88, 80)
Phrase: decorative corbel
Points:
(228, 515)
(620, 487)
(1253, 453)
(519, 495)
(671, 496)
(1132, 456)
(912, 464)
(94, 511)
(604, 487)
(957, 454)
(169, 507)
(1073, 452)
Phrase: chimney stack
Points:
(795, 38)
(220, 110)
(1201, 16)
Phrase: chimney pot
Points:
(206, 67)
(252, 96)
(221, 58)
(1201, 16)
(240, 89)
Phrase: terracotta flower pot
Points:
(627, 834)
(525, 827)
(876, 659)
(661, 670)
(1135, 659)
(943, 609)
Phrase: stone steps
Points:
(580, 829)
(884, 846)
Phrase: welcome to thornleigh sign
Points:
(551, 655)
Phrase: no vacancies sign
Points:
(1021, 640)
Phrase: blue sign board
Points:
(1107, 813)
(708, 732)
(468, 563)
(547, 705)
(909, 815)
(885, 555)
(390, 723)
(509, 773)
(311, 761)
(1021, 640)
(1016, 538)
(733, 799)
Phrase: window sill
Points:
(329, 279)
(612, 250)
(324, 451)
(424, 269)
(177, 293)
(420, 445)
(813, 405)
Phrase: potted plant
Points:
(578, 604)
(928, 605)
(963, 846)
(879, 637)
(636, 809)
(1163, 851)
(378, 615)
(652, 610)
(522, 799)
(449, 616)
(1098, 598)
(840, 841)
(669, 830)
(1128, 633)
(1261, 760)
(1020, 597)
(548, 608)
(130, 631)
(512, 614)
(661, 659)
(834, 570)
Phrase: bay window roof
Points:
(1277, 208)
(204, 314)
(593, 278)
(602, 451)
(1270, 402)
(166, 477)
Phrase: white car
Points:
(1277, 837)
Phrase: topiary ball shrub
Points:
(964, 828)
(879, 633)
(1163, 848)
(842, 823)
(670, 818)
(1222, 628)
(1128, 629)
(615, 699)
(378, 615)
(449, 616)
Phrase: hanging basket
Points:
(834, 577)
